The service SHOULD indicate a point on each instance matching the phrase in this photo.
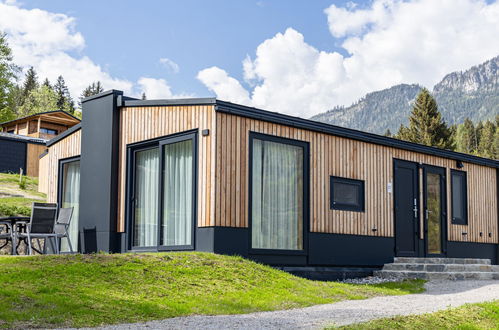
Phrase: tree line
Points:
(427, 127)
(20, 98)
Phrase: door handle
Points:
(415, 209)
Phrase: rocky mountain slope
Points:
(473, 93)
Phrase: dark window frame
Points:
(464, 193)
(347, 207)
(48, 131)
(159, 143)
(306, 202)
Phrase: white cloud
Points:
(388, 42)
(50, 43)
(169, 64)
(225, 87)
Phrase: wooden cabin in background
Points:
(22, 141)
(209, 175)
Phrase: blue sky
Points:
(296, 57)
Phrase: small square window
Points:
(347, 194)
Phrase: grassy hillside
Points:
(90, 290)
(473, 316)
(16, 199)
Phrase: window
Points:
(459, 197)
(277, 193)
(163, 194)
(11, 131)
(347, 194)
(69, 196)
(48, 131)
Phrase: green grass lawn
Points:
(472, 316)
(17, 201)
(91, 290)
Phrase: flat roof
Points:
(21, 138)
(312, 125)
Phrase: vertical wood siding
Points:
(68, 147)
(32, 158)
(331, 155)
(145, 123)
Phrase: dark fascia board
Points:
(106, 93)
(171, 102)
(63, 135)
(38, 114)
(22, 138)
(279, 118)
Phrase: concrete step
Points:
(438, 275)
(459, 261)
(430, 267)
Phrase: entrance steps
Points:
(440, 269)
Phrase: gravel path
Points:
(440, 295)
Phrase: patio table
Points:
(14, 222)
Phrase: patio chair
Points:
(41, 225)
(62, 225)
(5, 233)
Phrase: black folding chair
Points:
(41, 225)
(62, 225)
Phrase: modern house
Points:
(22, 140)
(208, 175)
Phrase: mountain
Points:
(473, 93)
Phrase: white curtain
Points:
(71, 198)
(277, 196)
(177, 203)
(146, 198)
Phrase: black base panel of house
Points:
(473, 250)
(330, 273)
(350, 250)
(13, 156)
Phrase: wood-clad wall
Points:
(144, 123)
(43, 174)
(33, 153)
(68, 147)
(331, 155)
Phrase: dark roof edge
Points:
(106, 93)
(279, 118)
(24, 139)
(40, 113)
(177, 102)
(63, 135)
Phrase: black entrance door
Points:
(435, 223)
(406, 180)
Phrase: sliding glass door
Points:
(70, 197)
(163, 194)
(278, 193)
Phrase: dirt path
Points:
(439, 295)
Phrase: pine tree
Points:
(64, 101)
(487, 145)
(144, 96)
(466, 137)
(46, 83)
(30, 83)
(388, 133)
(92, 89)
(426, 125)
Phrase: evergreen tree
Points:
(8, 75)
(487, 145)
(144, 96)
(92, 89)
(426, 125)
(466, 137)
(496, 143)
(46, 82)
(30, 83)
(64, 101)
(388, 133)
